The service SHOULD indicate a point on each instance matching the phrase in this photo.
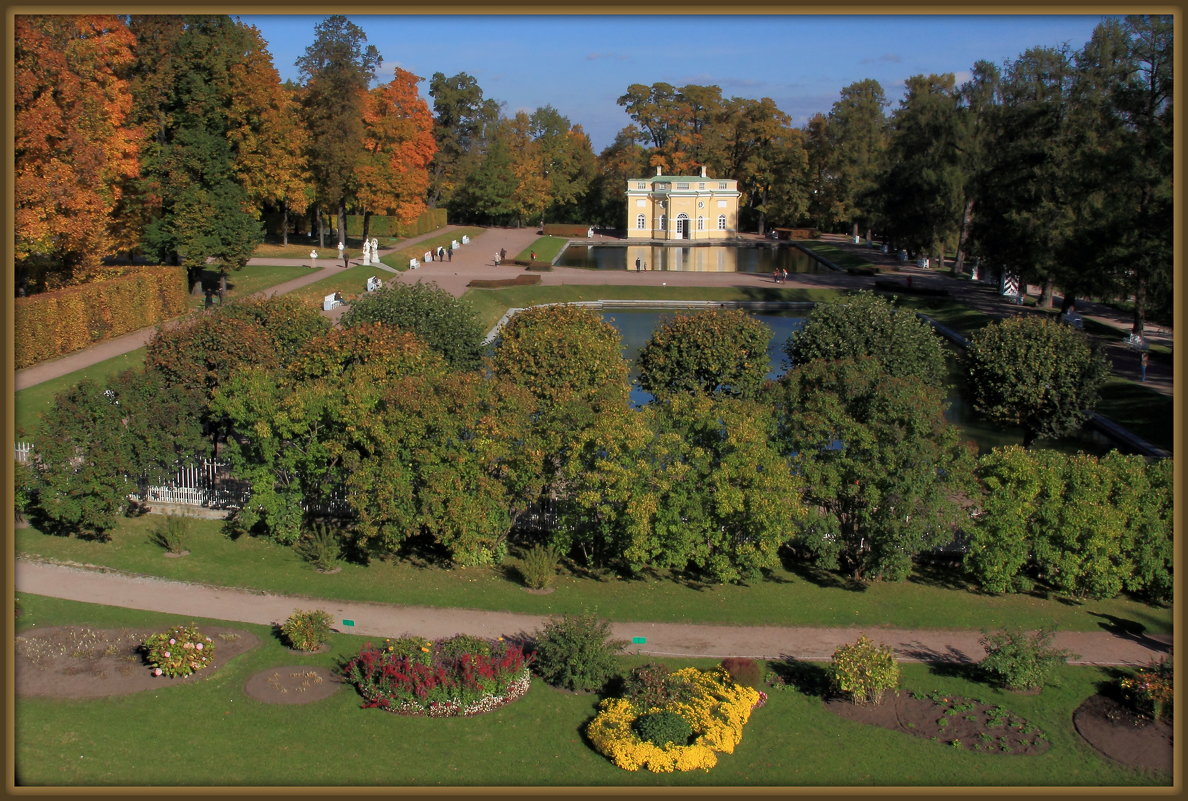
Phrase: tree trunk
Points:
(321, 229)
(1067, 302)
(1046, 295)
(963, 237)
(366, 225)
(284, 223)
(342, 228)
(854, 230)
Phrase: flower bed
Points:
(715, 708)
(456, 677)
(179, 651)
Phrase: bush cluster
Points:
(52, 324)
(179, 651)
(538, 568)
(576, 652)
(1020, 660)
(862, 671)
(713, 707)
(307, 631)
(448, 678)
(1151, 690)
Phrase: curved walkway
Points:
(660, 639)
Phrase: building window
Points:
(663, 223)
(721, 184)
(682, 186)
(701, 223)
(662, 186)
(640, 222)
(721, 222)
(641, 185)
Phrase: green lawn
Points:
(351, 283)
(253, 278)
(807, 598)
(546, 248)
(211, 733)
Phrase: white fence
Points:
(206, 484)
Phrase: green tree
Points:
(447, 324)
(568, 162)
(576, 652)
(1034, 373)
(461, 117)
(883, 471)
(203, 211)
(162, 423)
(923, 184)
(976, 99)
(1077, 524)
(83, 463)
(288, 322)
(712, 352)
(336, 70)
(201, 353)
(865, 324)
(618, 163)
(857, 132)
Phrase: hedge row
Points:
(430, 220)
(557, 229)
(52, 324)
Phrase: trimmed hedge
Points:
(53, 324)
(429, 220)
(498, 283)
(557, 229)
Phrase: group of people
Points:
(779, 275)
(641, 265)
(445, 254)
(500, 256)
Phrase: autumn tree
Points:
(618, 163)
(335, 71)
(883, 470)
(75, 147)
(567, 161)
(718, 352)
(265, 132)
(392, 175)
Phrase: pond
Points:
(636, 326)
(753, 257)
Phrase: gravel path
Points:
(660, 639)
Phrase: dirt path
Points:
(660, 639)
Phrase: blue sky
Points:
(581, 64)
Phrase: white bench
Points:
(330, 301)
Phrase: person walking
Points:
(637, 262)
(450, 253)
(502, 253)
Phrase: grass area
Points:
(546, 248)
(30, 403)
(931, 599)
(300, 250)
(350, 282)
(176, 735)
(251, 279)
(1147, 413)
(842, 257)
(492, 304)
(400, 259)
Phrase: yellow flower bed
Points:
(717, 711)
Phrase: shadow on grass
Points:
(943, 574)
(1130, 630)
(824, 579)
(810, 678)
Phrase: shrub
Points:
(576, 652)
(1020, 661)
(307, 631)
(714, 708)
(178, 652)
(539, 566)
(743, 671)
(653, 686)
(461, 644)
(663, 728)
(1151, 689)
(320, 546)
(438, 685)
(172, 533)
(863, 671)
(448, 325)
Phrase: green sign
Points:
(348, 622)
(639, 640)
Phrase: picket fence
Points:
(197, 484)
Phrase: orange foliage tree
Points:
(392, 176)
(74, 151)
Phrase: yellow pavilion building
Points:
(682, 207)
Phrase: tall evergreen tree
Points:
(461, 117)
(857, 133)
(336, 71)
